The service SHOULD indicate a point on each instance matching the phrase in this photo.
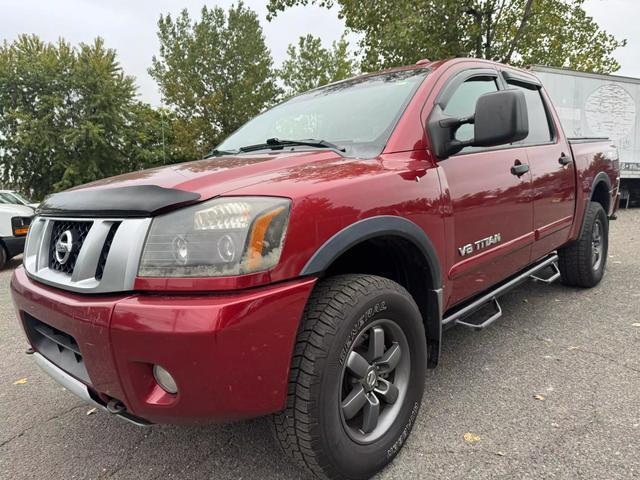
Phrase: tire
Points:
(582, 263)
(341, 324)
(3, 256)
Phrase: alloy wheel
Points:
(596, 245)
(374, 381)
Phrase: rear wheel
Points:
(583, 262)
(357, 377)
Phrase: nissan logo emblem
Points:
(64, 247)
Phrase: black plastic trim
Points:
(458, 79)
(370, 228)
(13, 245)
(601, 177)
(521, 78)
(132, 201)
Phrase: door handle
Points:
(564, 159)
(519, 169)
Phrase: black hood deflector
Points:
(132, 201)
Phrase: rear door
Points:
(552, 169)
(491, 208)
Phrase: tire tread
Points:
(574, 260)
(295, 427)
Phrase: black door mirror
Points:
(500, 118)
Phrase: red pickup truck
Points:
(308, 267)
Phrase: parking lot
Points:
(551, 390)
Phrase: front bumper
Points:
(14, 245)
(229, 354)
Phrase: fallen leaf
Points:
(539, 397)
(471, 437)
(91, 411)
(22, 381)
(500, 454)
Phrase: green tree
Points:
(69, 116)
(99, 99)
(149, 139)
(214, 73)
(520, 32)
(310, 65)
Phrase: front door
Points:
(491, 221)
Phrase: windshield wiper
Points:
(274, 143)
(219, 153)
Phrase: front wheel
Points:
(3, 256)
(582, 263)
(357, 377)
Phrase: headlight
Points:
(20, 225)
(224, 236)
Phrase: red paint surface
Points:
(228, 342)
(229, 354)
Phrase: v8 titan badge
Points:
(478, 245)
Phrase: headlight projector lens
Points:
(227, 248)
(181, 250)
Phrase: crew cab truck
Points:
(308, 267)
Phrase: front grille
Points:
(79, 231)
(104, 253)
(56, 346)
(100, 255)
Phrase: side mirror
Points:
(500, 118)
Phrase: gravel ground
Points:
(577, 350)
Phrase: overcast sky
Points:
(129, 26)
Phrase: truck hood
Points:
(16, 210)
(149, 192)
(215, 176)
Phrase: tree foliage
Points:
(214, 73)
(310, 65)
(520, 32)
(68, 116)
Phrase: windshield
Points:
(358, 115)
(6, 198)
(20, 198)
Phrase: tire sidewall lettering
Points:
(360, 323)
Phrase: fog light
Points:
(164, 379)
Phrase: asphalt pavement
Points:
(551, 390)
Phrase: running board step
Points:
(551, 278)
(476, 321)
(471, 314)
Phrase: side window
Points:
(463, 102)
(539, 126)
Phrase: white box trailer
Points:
(597, 105)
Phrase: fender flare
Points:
(601, 177)
(385, 225)
(371, 227)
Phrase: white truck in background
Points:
(14, 225)
(11, 196)
(596, 105)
